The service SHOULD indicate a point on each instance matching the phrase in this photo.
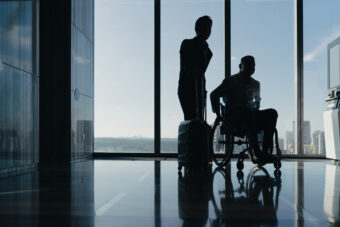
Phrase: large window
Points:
(125, 63)
(265, 29)
(178, 23)
(321, 26)
(124, 76)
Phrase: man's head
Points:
(247, 65)
(203, 27)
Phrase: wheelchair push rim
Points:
(221, 142)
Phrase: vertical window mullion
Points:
(298, 59)
(227, 37)
(157, 92)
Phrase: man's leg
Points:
(266, 120)
(188, 106)
(245, 120)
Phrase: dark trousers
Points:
(265, 120)
(188, 104)
(256, 121)
(193, 105)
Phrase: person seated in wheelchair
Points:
(241, 92)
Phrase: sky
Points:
(124, 58)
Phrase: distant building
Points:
(306, 133)
(281, 143)
(288, 144)
(319, 142)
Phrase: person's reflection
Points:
(254, 203)
(194, 193)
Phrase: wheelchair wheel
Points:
(221, 143)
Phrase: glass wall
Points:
(265, 29)
(18, 86)
(321, 27)
(82, 97)
(124, 76)
(178, 23)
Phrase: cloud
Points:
(314, 53)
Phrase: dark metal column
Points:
(298, 59)
(227, 42)
(55, 83)
(227, 37)
(157, 93)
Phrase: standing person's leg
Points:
(200, 96)
(266, 120)
(188, 105)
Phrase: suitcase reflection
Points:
(217, 199)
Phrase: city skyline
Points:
(314, 143)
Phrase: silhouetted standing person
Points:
(195, 56)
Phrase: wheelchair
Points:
(224, 138)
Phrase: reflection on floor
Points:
(152, 193)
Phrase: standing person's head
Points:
(203, 27)
(247, 65)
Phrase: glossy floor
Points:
(151, 193)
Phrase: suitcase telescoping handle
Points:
(205, 106)
(201, 101)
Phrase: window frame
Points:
(298, 71)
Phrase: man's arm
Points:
(257, 96)
(215, 96)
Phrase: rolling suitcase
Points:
(193, 139)
(193, 144)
